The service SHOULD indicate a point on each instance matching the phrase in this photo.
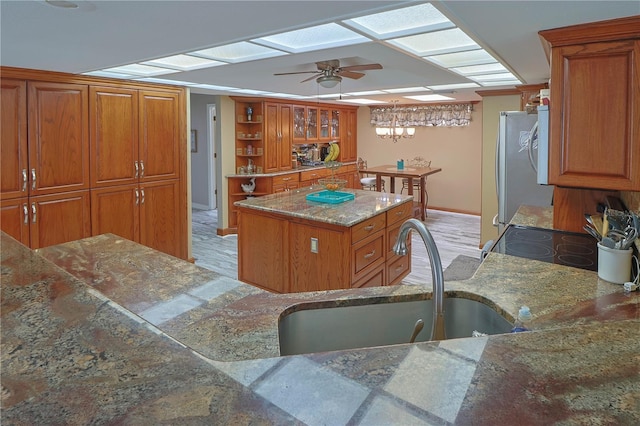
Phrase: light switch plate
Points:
(314, 245)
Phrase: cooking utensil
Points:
(593, 232)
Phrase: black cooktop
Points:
(548, 245)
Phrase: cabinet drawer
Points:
(368, 227)
(399, 213)
(372, 279)
(392, 236)
(285, 179)
(314, 174)
(398, 269)
(366, 253)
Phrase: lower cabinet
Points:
(147, 214)
(286, 255)
(46, 220)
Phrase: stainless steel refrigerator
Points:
(517, 164)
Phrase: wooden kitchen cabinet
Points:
(305, 124)
(14, 162)
(144, 213)
(66, 137)
(14, 216)
(58, 123)
(59, 218)
(595, 105)
(286, 255)
(348, 135)
(277, 137)
(114, 136)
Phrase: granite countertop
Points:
(365, 205)
(104, 330)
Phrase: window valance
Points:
(422, 115)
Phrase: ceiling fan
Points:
(331, 73)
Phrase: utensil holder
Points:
(614, 265)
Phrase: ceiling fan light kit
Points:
(328, 81)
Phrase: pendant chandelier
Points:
(394, 131)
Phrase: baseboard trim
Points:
(444, 209)
(226, 231)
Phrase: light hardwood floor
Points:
(454, 234)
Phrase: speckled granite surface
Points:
(539, 217)
(130, 335)
(365, 205)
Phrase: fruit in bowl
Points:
(332, 184)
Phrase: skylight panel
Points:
(109, 74)
(366, 93)
(430, 98)
(481, 69)
(402, 22)
(507, 76)
(139, 69)
(183, 62)
(462, 59)
(445, 41)
(360, 101)
(238, 52)
(406, 89)
(453, 86)
(313, 38)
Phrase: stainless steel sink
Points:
(307, 328)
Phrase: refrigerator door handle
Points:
(498, 164)
(532, 134)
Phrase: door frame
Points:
(212, 157)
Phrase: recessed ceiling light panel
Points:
(238, 52)
(312, 38)
(430, 98)
(480, 69)
(140, 69)
(446, 41)
(462, 59)
(402, 22)
(184, 62)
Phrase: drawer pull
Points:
(24, 180)
(25, 210)
(399, 268)
(33, 212)
(33, 179)
(369, 227)
(286, 179)
(370, 255)
(400, 213)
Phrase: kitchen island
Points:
(103, 330)
(288, 243)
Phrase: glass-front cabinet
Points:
(305, 124)
(329, 124)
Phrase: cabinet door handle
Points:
(399, 268)
(141, 169)
(137, 197)
(33, 179)
(370, 255)
(142, 191)
(135, 163)
(25, 210)
(369, 227)
(25, 178)
(33, 212)
(286, 179)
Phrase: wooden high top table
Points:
(409, 173)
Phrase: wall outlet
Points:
(314, 245)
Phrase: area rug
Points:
(461, 268)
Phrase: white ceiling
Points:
(103, 34)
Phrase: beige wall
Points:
(492, 105)
(457, 150)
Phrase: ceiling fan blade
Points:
(297, 72)
(326, 65)
(350, 74)
(310, 78)
(362, 67)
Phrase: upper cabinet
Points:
(58, 137)
(305, 124)
(14, 160)
(595, 105)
